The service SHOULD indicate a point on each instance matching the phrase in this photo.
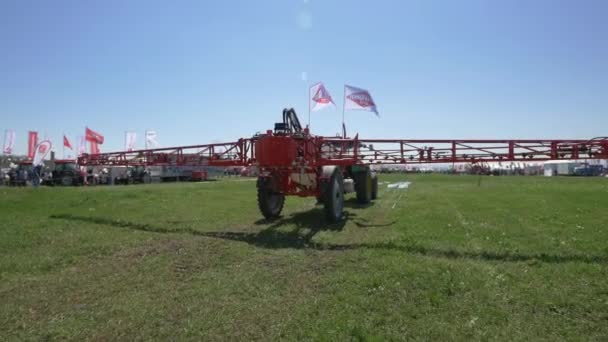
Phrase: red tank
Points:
(276, 151)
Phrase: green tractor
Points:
(137, 174)
(67, 173)
(140, 175)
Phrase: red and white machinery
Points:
(292, 161)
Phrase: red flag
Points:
(94, 147)
(66, 142)
(32, 141)
(93, 136)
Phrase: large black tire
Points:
(374, 186)
(333, 193)
(363, 185)
(270, 202)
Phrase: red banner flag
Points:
(32, 141)
(66, 142)
(93, 136)
(94, 147)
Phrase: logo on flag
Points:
(320, 97)
(151, 139)
(42, 148)
(358, 99)
(41, 152)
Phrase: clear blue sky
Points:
(202, 71)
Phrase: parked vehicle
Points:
(589, 170)
(137, 174)
(21, 175)
(67, 173)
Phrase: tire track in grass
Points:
(462, 220)
(397, 201)
(469, 234)
(398, 188)
(385, 203)
(387, 200)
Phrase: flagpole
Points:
(343, 106)
(308, 97)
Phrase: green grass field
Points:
(451, 258)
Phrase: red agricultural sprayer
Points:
(292, 161)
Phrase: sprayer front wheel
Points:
(269, 201)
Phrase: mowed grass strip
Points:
(452, 257)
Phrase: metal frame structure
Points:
(424, 151)
(291, 161)
(346, 151)
(219, 154)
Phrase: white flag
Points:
(82, 145)
(130, 138)
(358, 99)
(9, 141)
(319, 97)
(151, 139)
(42, 149)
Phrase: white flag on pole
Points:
(151, 139)
(42, 149)
(130, 139)
(358, 99)
(319, 97)
(9, 141)
(82, 145)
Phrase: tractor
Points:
(67, 173)
(135, 174)
(291, 161)
(22, 174)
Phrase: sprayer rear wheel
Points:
(333, 193)
(363, 185)
(374, 186)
